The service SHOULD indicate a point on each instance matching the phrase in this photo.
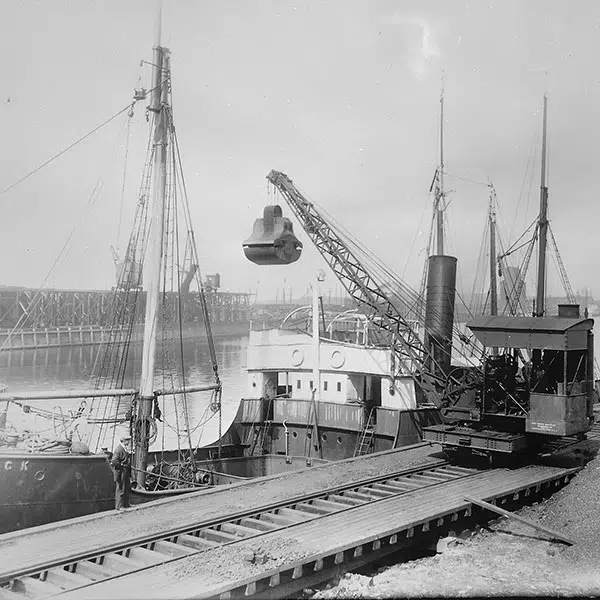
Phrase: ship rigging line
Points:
(65, 150)
(512, 247)
(466, 179)
(75, 143)
(64, 250)
(216, 396)
(194, 252)
(531, 160)
(130, 115)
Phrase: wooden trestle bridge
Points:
(52, 317)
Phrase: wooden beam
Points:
(554, 535)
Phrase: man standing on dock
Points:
(121, 463)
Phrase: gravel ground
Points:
(507, 559)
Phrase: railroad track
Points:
(146, 558)
(134, 556)
(313, 550)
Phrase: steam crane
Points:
(374, 298)
(537, 375)
(535, 383)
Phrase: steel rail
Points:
(148, 552)
(375, 532)
(170, 533)
(291, 578)
(430, 478)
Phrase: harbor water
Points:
(72, 368)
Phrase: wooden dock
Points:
(268, 537)
(295, 555)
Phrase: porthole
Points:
(337, 359)
(324, 437)
(294, 434)
(254, 384)
(297, 357)
(39, 475)
(339, 439)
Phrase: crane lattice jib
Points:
(406, 344)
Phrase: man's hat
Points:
(125, 435)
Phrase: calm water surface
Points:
(71, 368)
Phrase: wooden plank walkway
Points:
(37, 546)
(217, 571)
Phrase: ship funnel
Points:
(439, 311)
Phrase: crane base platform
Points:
(452, 437)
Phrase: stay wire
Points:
(130, 115)
(38, 296)
(64, 151)
(177, 175)
(71, 146)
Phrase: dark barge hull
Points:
(266, 437)
(42, 488)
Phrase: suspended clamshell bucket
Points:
(272, 241)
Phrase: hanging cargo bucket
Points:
(272, 241)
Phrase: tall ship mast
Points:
(440, 197)
(493, 259)
(540, 303)
(158, 105)
(441, 278)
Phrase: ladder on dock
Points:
(364, 442)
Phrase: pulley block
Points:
(272, 241)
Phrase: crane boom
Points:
(408, 348)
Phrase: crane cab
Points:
(537, 385)
(272, 241)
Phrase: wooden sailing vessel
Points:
(43, 483)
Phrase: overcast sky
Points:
(341, 95)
